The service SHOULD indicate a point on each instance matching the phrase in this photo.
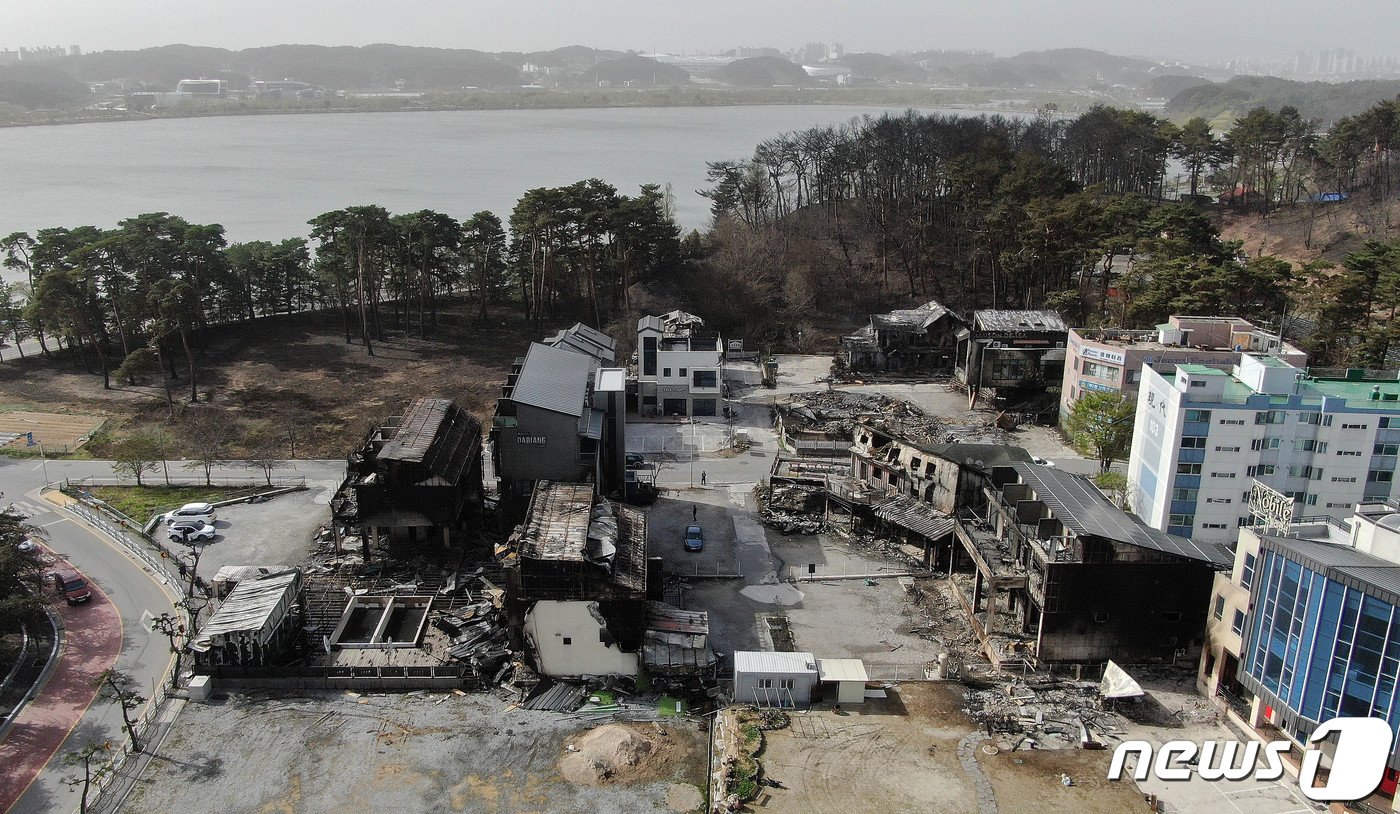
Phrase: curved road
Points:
(128, 591)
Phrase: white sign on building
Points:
(1270, 508)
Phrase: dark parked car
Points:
(694, 539)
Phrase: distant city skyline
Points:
(1195, 30)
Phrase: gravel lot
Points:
(336, 753)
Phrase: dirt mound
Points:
(617, 753)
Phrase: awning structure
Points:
(252, 613)
(1118, 684)
(916, 516)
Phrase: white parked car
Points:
(195, 529)
(1039, 461)
(192, 511)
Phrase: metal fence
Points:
(126, 532)
(716, 570)
(158, 480)
(914, 671)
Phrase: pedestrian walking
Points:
(694, 513)
(702, 477)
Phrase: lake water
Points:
(263, 177)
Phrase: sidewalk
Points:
(92, 640)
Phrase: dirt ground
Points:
(1306, 233)
(900, 755)
(55, 431)
(298, 373)
(334, 752)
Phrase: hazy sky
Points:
(1192, 29)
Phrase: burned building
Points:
(1061, 576)
(582, 593)
(561, 416)
(1015, 357)
(921, 339)
(416, 478)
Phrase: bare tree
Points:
(120, 687)
(90, 765)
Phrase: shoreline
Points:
(567, 100)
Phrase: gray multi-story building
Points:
(561, 416)
(1015, 357)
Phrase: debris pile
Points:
(791, 497)
(478, 637)
(1041, 713)
(837, 413)
(792, 522)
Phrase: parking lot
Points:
(275, 532)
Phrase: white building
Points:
(1203, 435)
(680, 366)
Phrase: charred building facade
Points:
(1062, 576)
(582, 594)
(415, 479)
(1016, 357)
(913, 339)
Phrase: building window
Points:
(1100, 371)
(1261, 469)
(1227, 449)
(1188, 469)
(1247, 571)
(681, 373)
(1380, 476)
(1184, 494)
(1389, 422)
(765, 683)
(568, 640)
(1197, 416)
(1353, 426)
(1213, 525)
(704, 378)
(665, 373)
(1312, 446)
(1263, 443)
(648, 401)
(1233, 421)
(1220, 606)
(1182, 520)
(1270, 417)
(1237, 626)
(648, 356)
(1336, 479)
(1349, 453)
(787, 683)
(1222, 474)
(1385, 449)
(1198, 383)
(1193, 442)
(915, 463)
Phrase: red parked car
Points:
(73, 587)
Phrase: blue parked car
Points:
(694, 539)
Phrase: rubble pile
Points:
(836, 413)
(1042, 713)
(792, 522)
(791, 497)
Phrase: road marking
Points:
(54, 523)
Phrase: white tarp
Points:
(255, 609)
(1118, 684)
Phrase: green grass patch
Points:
(140, 502)
(604, 698)
(670, 707)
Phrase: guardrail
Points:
(697, 570)
(121, 529)
(49, 664)
(250, 482)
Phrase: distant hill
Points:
(879, 66)
(40, 86)
(762, 72)
(1170, 85)
(1324, 101)
(340, 67)
(636, 70)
